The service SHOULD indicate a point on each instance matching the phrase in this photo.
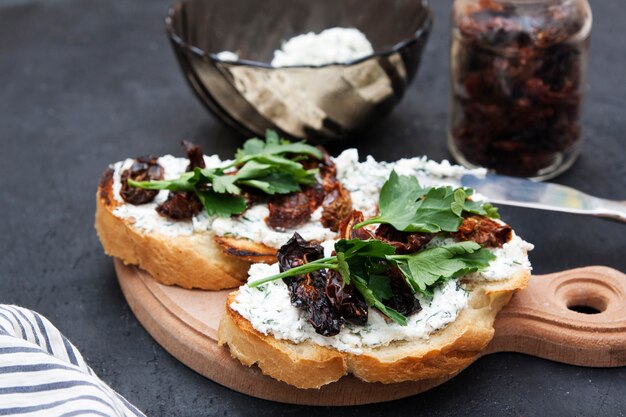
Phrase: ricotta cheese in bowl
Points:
(334, 45)
(331, 46)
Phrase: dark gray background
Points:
(85, 83)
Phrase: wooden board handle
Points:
(576, 316)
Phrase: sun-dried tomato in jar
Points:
(517, 72)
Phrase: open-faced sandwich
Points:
(386, 270)
(200, 222)
(408, 291)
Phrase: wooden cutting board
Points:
(576, 317)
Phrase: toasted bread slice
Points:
(189, 261)
(246, 250)
(443, 354)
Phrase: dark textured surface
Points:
(88, 82)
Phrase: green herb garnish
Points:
(428, 268)
(259, 164)
(480, 208)
(408, 207)
(363, 263)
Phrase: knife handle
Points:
(610, 209)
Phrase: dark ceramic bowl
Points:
(320, 103)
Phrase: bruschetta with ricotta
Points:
(407, 293)
(200, 221)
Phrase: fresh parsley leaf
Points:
(225, 184)
(439, 210)
(268, 178)
(223, 205)
(253, 146)
(482, 209)
(253, 169)
(179, 184)
(271, 137)
(259, 164)
(479, 207)
(273, 145)
(429, 267)
(367, 248)
(343, 267)
(397, 201)
(380, 286)
(408, 207)
(273, 184)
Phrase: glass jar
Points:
(517, 73)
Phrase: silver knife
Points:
(543, 195)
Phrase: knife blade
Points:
(520, 192)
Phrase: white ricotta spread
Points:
(511, 259)
(251, 225)
(269, 310)
(334, 45)
(331, 46)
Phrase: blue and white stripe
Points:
(43, 374)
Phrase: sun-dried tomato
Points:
(315, 193)
(337, 205)
(345, 299)
(403, 300)
(404, 242)
(180, 205)
(144, 168)
(307, 291)
(483, 230)
(253, 196)
(347, 230)
(195, 155)
(289, 210)
(517, 74)
(292, 210)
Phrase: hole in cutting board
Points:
(587, 305)
(585, 295)
(584, 309)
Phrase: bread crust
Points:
(247, 250)
(194, 261)
(308, 365)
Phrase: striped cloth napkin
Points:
(43, 374)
